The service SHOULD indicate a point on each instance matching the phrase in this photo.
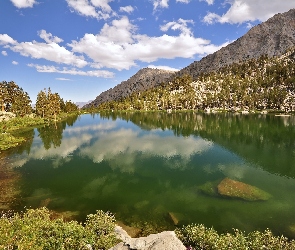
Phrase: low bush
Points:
(199, 237)
(34, 229)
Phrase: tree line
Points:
(256, 84)
(48, 105)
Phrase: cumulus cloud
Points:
(4, 53)
(181, 25)
(14, 62)
(129, 9)
(72, 71)
(119, 46)
(99, 9)
(6, 39)
(23, 3)
(162, 67)
(160, 4)
(50, 51)
(49, 38)
(241, 11)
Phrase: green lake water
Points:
(143, 166)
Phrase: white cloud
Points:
(6, 39)
(62, 79)
(129, 9)
(50, 51)
(14, 63)
(162, 67)
(4, 53)
(241, 11)
(183, 1)
(181, 25)
(73, 71)
(209, 2)
(119, 46)
(23, 3)
(49, 38)
(160, 4)
(99, 9)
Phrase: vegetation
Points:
(49, 107)
(256, 84)
(200, 237)
(14, 99)
(35, 229)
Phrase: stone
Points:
(209, 188)
(5, 116)
(236, 189)
(164, 240)
(174, 218)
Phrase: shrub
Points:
(200, 237)
(35, 230)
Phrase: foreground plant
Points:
(34, 229)
(199, 237)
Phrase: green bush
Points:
(35, 230)
(199, 237)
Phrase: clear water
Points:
(143, 166)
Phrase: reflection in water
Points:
(265, 140)
(150, 167)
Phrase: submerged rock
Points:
(209, 188)
(174, 218)
(236, 189)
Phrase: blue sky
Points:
(80, 48)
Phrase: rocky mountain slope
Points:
(271, 38)
(144, 79)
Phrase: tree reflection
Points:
(51, 135)
(264, 140)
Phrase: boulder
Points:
(164, 240)
(236, 189)
(5, 116)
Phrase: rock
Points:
(174, 218)
(5, 116)
(236, 189)
(164, 240)
(209, 188)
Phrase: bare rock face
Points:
(161, 241)
(144, 79)
(271, 38)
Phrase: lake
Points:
(150, 169)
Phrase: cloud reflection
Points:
(73, 138)
(123, 146)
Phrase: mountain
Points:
(81, 104)
(271, 38)
(144, 79)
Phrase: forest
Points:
(48, 105)
(266, 83)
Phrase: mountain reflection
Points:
(264, 140)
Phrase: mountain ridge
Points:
(272, 38)
(144, 79)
